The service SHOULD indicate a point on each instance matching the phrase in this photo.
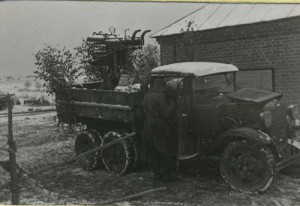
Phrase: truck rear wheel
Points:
(247, 167)
(85, 141)
(119, 158)
(136, 153)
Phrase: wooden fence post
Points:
(15, 197)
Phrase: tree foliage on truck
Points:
(60, 67)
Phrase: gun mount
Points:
(112, 51)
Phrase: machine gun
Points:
(108, 50)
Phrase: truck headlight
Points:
(293, 111)
(266, 118)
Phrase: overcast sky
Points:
(26, 26)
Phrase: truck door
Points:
(187, 147)
(203, 119)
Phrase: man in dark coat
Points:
(157, 148)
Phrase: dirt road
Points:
(41, 143)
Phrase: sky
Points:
(25, 27)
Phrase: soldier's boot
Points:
(170, 170)
(158, 175)
(172, 177)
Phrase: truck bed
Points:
(98, 104)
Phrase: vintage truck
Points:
(249, 130)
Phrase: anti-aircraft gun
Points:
(107, 112)
(112, 52)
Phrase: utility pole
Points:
(15, 197)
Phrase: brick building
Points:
(245, 35)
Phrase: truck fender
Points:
(249, 134)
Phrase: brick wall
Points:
(269, 44)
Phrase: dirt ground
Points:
(41, 143)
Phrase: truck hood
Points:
(254, 95)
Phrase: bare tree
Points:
(27, 84)
(38, 85)
(9, 78)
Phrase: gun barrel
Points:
(100, 39)
(144, 33)
(134, 34)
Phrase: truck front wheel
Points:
(247, 167)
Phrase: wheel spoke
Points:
(247, 155)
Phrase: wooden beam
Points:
(134, 196)
(73, 159)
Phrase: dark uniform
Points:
(182, 124)
(187, 143)
(157, 142)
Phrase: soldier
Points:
(157, 141)
(183, 108)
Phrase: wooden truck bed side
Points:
(99, 104)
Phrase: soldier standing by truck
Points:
(157, 141)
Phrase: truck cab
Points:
(247, 128)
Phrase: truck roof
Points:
(196, 69)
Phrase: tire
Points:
(85, 141)
(247, 167)
(119, 158)
(135, 151)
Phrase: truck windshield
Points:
(222, 83)
(175, 83)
